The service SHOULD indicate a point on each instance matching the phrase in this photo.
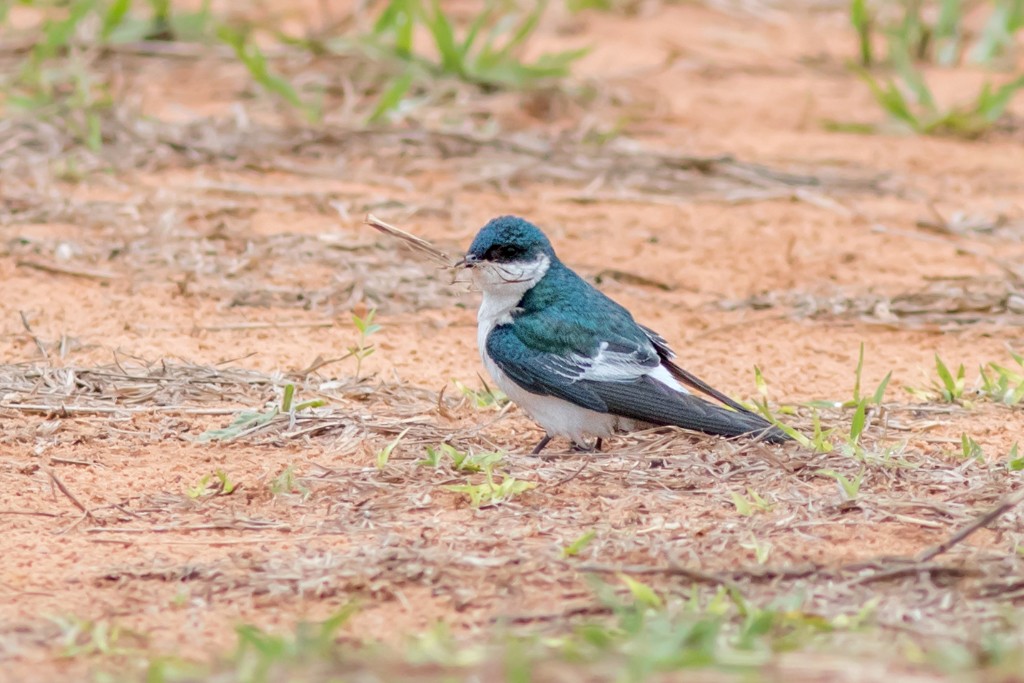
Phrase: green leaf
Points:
(255, 62)
(286, 400)
(391, 98)
(952, 388)
(858, 423)
(577, 546)
(226, 485)
(384, 454)
(1016, 463)
(641, 592)
(992, 105)
(861, 20)
(452, 56)
(113, 17)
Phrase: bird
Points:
(575, 360)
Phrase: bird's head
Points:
(508, 253)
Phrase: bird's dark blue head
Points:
(508, 239)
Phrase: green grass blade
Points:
(911, 76)
(992, 105)
(860, 17)
(256, 63)
(891, 100)
(518, 38)
(113, 17)
(948, 383)
(858, 423)
(947, 31)
(452, 56)
(391, 98)
(479, 21)
(879, 394)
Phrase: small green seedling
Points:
(287, 483)
(434, 456)
(949, 388)
(762, 407)
(259, 652)
(461, 461)
(952, 388)
(1016, 460)
(253, 59)
(748, 506)
(226, 485)
(200, 488)
(384, 454)
(971, 449)
(643, 595)
(248, 421)
(206, 486)
(487, 398)
(488, 53)
(879, 394)
(579, 545)
(490, 491)
(1002, 384)
(762, 549)
(850, 488)
(362, 348)
(912, 104)
(85, 638)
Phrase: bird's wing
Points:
(667, 356)
(568, 373)
(614, 380)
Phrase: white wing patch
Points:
(615, 366)
(612, 366)
(665, 377)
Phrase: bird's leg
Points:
(540, 445)
(597, 445)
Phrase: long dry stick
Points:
(670, 570)
(984, 520)
(104, 410)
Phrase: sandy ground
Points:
(214, 264)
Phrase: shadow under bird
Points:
(575, 360)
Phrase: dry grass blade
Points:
(56, 269)
(416, 243)
(67, 492)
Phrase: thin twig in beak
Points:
(417, 243)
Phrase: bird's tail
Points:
(648, 400)
(772, 434)
(713, 419)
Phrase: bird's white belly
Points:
(557, 416)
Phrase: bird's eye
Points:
(503, 252)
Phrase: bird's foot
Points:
(581, 448)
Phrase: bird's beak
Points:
(468, 261)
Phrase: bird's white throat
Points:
(503, 286)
